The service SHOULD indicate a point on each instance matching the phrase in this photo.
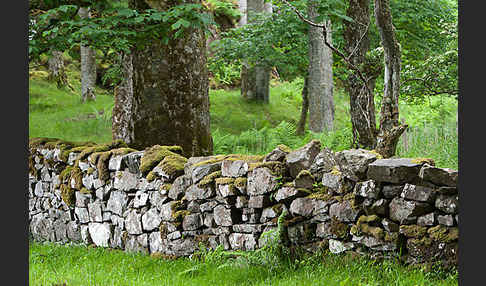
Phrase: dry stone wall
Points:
(156, 201)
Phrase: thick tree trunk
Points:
(88, 65)
(124, 111)
(320, 85)
(305, 107)
(390, 127)
(255, 81)
(169, 104)
(362, 107)
(56, 69)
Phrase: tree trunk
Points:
(305, 107)
(320, 85)
(169, 104)
(56, 69)
(255, 81)
(88, 65)
(362, 106)
(390, 127)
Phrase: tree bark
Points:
(362, 106)
(390, 127)
(56, 71)
(320, 85)
(88, 65)
(255, 81)
(305, 107)
(169, 104)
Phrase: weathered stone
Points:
(40, 188)
(323, 230)
(157, 199)
(45, 175)
(209, 220)
(251, 215)
(184, 246)
(196, 193)
(102, 193)
(199, 172)
(343, 211)
(125, 181)
(272, 212)
(241, 202)
(389, 225)
(167, 210)
(179, 187)
(226, 216)
(258, 202)
(446, 220)
(392, 191)
(133, 223)
(261, 181)
(135, 243)
(301, 233)
(100, 233)
(406, 212)
(60, 230)
(227, 190)
(397, 171)
(379, 207)
(192, 222)
(304, 180)
(84, 166)
(336, 246)
(140, 199)
(336, 182)
(230, 168)
(276, 154)
(418, 193)
(73, 231)
(324, 162)
(151, 220)
(87, 181)
(414, 231)
(439, 176)
(95, 211)
(302, 158)
(85, 236)
(447, 190)
(82, 214)
(117, 202)
(368, 189)
(427, 220)
(356, 161)
(447, 204)
(208, 206)
(248, 228)
(155, 242)
(242, 241)
(287, 194)
(302, 206)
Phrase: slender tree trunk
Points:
(169, 104)
(305, 107)
(390, 127)
(255, 80)
(362, 107)
(320, 85)
(88, 65)
(56, 69)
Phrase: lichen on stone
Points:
(276, 168)
(240, 182)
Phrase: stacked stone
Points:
(347, 201)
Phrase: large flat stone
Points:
(397, 171)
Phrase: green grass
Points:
(238, 126)
(51, 264)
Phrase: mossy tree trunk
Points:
(88, 65)
(56, 69)
(255, 80)
(361, 100)
(320, 85)
(169, 100)
(305, 107)
(390, 127)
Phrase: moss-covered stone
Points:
(442, 233)
(85, 191)
(67, 195)
(65, 174)
(224, 180)
(276, 168)
(165, 187)
(231, 157)
(173, 165)
(77, 175)
(179, 215)
(151, 176)
(284, 148)
(339, 229)
(102, 166)
(429, 161)
(414, 231)
(378, 155)
(155, 154)
(209, 179)
(335, 171)
(240, 182)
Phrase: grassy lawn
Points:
(51, 264)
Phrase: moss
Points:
(209, 179)
(320, 196)
(429, 161)
(90, 170)
(173, 165)
(368, 219)
(240, 182)
(102, 166)
(77, 175)
(85, 191)
(122, 151)
(224, 181)
(179, 215)
(292, 221)
(374, 152)
(391, 237)
(443, 234)
(231, 157)
(414, 230)
(67, 195)
(65, 174)
(365, 228)
(151, 176)
(284, 148)
(165, 187)
(335, 171)
(339, 229)
(153, 156)
(304, 173)
(277, 208)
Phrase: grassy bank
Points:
(52, 264)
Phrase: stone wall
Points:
(156, 201)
